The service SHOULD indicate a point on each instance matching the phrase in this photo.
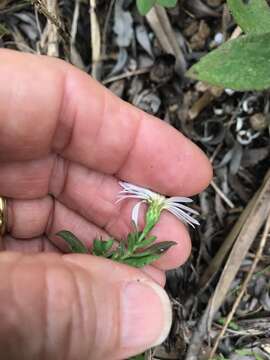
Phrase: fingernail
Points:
(146, 315)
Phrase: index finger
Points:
(48, 106)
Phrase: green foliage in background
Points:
(146, 5)
(244, 63)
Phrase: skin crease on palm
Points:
(65, 141)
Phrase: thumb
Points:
(77, 307)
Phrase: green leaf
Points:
(119, 253)
(161, 247)
(3, 31)
(241, 64)
(138, 357)
(75, 245)
(131, 241)
(145, 5)
(141, 261)
(232, 325)
(252, 16)
(102, 247)
(148, 241)
(156, 249)
(167, 3)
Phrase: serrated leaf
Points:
(144, 6)
(141, 261)
(167, 3)
(242, 64)
(252, 16)
(75, 245)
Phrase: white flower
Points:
(157, 203)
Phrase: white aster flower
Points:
(157, 203)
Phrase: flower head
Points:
(156, 204)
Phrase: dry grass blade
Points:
(95, 41)
(64, 34)
(243, 234)
(160, 24)
(243, 220)
(247, 234)
(222, 195)
(53, 49)
(244, 286)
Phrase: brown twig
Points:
(126, 75)
(222, 195)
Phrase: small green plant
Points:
(140, 247)
(241, 64)
(146, 5)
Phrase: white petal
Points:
(181, 215)
(180, 199)
(183, 207)
(123, 197)
(139, 191)
(135, 213)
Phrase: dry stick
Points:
(95, 41)
(165, 21)
(74, 25)
(244, 286)
(245, 230)
(63, 33)
(75, 57)
(126, 75)
(222, 195)
(160, 24)
(105, 29)
(53, 49)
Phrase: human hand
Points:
(65, 141)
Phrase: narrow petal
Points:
(123, 197)
(135, 213)
(181, 215)
(180, 199)
(185, 208)
(136, 189)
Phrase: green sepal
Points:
(75, 245)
